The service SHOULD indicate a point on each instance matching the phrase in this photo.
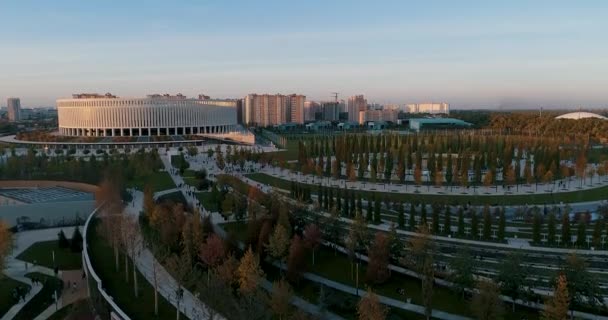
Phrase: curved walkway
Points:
(16, 269)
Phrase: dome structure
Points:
(580, 115)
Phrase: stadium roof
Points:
(580, 115)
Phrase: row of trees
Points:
(488, 158)
(549, 227)
(348, 203)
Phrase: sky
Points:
(471, 54)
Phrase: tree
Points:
(487, 223)
(581, 233)
(378, 254)
(422, 248)
(295, 260)
(551, 228)
(412, 220)
(474, 225)
(566, 229)
(461, 225)
(502, 222)
(401, 216)
(149, 203)
(597, 234)
(369, 307)
(226, 271)
(556, 307)
(512, 277)
(536, 228)
(6, 244)
(63, 240)
(435, 222)
(486, 304)
(376, 210)
(463, 267)
(312, 239)
(280, 298)
(447, 221)
(249, 273)
(211, 252)
(278, 243)
(583, 286)
(488, 179)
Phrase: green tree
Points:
(463, 268)
(412, 220)
(461, 225)
(583, 286)
(581, 234)
(423, 219)
(435, 222)
(447, 221)
(502, 222)
(551, 228)
(474, 225)
(512, 277)
(401, 216)
(487, 223)
(369, 213)
(536, 228)
(566, 229)
(597, 234)
(377, 216)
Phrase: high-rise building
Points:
(331, 111)
(429, 107)
(267, 110)
(387, 115)
(13, 106)
(310, 109)
(296, 108)
(355, 105)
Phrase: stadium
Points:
(94, 115)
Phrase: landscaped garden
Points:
(7, 287)
(103, 261)
(42, 253)
(51, 288)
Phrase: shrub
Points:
(76, 242)
(63, 241)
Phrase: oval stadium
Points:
(155, 115)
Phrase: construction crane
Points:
(335, 95)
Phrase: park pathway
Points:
(216, 218)
(167, 285)
(17, 269)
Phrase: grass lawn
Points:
(43, 299)
(78, 310)
(189, 177)
(6, 288)
(176, 197)
(42, 253)
(566, 197)
(206, 201)
(142, 307)
(61, 314)
(159, 181)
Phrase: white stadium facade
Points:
(581, 115)
(110, 116)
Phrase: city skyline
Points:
(484, 55)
